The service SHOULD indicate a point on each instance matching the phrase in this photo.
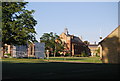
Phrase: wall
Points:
(67, 40)
(119, 43)
(93, 50)
(110, 48)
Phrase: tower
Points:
(66, 31)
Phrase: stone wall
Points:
(110, 47)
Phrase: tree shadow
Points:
(60, 70)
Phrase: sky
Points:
(89, 20)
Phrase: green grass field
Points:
(77, 59)
(22, 60)
(13, 68)
(55, 59)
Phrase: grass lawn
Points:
(55, 59)
(22, 60)
(13, 68)
(77, 59)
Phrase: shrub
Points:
(77, 55)
(8, 54)
(58, 54)
(67, 54)
(83, 54)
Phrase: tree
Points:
(52, 42)
(47, 39)
(86, 42)
(17, 23)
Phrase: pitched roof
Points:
(76, 39)
(109, 34)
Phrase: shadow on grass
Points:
(60, 70)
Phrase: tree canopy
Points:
(17, 23)
(52, 42)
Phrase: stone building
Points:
(73, 44)
(31, 50)
(94, 48)
(110, 47)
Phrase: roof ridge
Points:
(110, 33)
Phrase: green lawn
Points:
(22, 60)
(13, 68)
(54, 59)
(77, 59)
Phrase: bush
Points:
(7, 55)
(83, 54)
(77, 55)
(67, 54)
(58, 54)
(97, 55)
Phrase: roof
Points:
(109, 35)
(76, 39)
(93, 45)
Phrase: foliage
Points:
(8, 54)
(52, 42)
(18, 23)
(86, 42)
(67, 54)
(48, 39)
(77, 55)
(83, 54)
(58, 54)
(97, 52)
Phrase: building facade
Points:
(95, 49)
(110, 47)
(73, 44)
(31, 50)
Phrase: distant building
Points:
(73, 44)
(10, 49)
(94, 48)
(110, 47)
(31, 50)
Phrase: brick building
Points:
(73, 44)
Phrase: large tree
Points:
(17, 23)
(52, 42)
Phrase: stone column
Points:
(9, 48)
(73, 52)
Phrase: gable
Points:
(114, 33)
